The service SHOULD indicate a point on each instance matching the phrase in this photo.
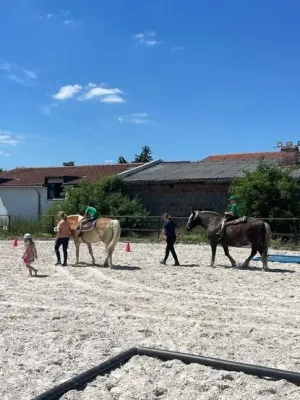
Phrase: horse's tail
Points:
(116, 236)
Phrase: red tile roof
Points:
(36, 176)
(244, 156)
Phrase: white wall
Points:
(23, 202)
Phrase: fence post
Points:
(9, 218)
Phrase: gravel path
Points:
(71, 319)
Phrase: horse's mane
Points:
(210, 213)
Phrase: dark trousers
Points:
(64, 242)
(170, 248)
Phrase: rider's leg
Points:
(222, 229)
(81, 225)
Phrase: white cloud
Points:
(147, 39)
(47, 16)
(90, 92)
(63, 16)
(99, 91)
(18, 74)
(112, 99)
(6, 138)
(2, 153)
(67, 92)
(135, 118)
(177, 48)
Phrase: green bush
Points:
(268, 192)
(198, 235)
(110, 199)
(40, 227)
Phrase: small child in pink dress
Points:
(30, 254)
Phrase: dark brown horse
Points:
(251, 231)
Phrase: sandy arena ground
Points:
(71, 319)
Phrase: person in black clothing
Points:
(169, 230)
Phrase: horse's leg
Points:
(213, 246)
(91, 253)
(253, 252)
(110, 257)
(106, 261)
(263, 251)
(77, 252)
(226, 251)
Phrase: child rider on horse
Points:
(91, 214)
(234, 213)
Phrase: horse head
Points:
(193, 220)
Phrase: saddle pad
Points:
(281, 259)
(89, 225)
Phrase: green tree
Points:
(122, 160)
(268, 192)
(109, 197)
(144, 156)
(69, 163)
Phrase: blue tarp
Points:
(281, 259)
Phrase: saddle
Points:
(237, 221)
(88, 225)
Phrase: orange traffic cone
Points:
(15, 242)
(127, 247)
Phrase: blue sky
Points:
(90, 81)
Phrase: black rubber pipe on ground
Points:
(216, 363)
(83, 378)
(164, 355)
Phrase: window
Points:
(55, 188)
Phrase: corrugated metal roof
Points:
(277, 155)
(222, 171)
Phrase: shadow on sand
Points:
(40, 276)
(115, 267)
(125, 268)
(189, 265)
(251, 268)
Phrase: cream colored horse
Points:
(106, 230)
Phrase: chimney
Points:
(290, 155)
